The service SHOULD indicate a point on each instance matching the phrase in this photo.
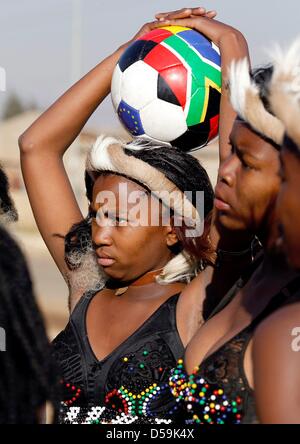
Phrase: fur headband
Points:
(285, 89)
(246, 101)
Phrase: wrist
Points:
(232, 37)
(122, 48)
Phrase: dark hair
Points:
(28, 376)
(6, 203)
(179, 167)
(262, 77)
(291, 146)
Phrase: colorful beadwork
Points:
(134, 404)
(204, 403)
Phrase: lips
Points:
(219, 203)
(105, 260)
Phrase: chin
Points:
(111, 273)
(114, 274)
(230, 222)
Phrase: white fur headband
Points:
(245, 99)
(285, 89)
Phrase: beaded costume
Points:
(218, 392)
(131, 383)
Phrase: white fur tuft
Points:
(246, 101)
(98, 157)
(180, 268)
(287, 69)
(285, 88)
(144, 141)
(286, 60)
(239, 83)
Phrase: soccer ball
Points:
(167, 87)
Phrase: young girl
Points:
(131, 322)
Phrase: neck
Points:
(144, 279)
(275, 265)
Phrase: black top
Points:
(218, 391)
(131, 380)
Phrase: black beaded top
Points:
(131, 382)
(218, 392)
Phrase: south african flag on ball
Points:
(167, 87)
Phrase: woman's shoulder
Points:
(280, 322)
(196, 288)
(276, 363)
(77, 296)
(278, 336)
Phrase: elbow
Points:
(26, 145)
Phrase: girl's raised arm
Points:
(42, 147)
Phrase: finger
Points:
(150, 25)
(198, 11)
(181, 13)
(201, 24)
(178, 11)
(184, 14)
(211, 14)
(173, 22)
(145, 29)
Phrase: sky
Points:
(36, 39)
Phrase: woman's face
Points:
(288, 206)
(248, 182)
(126, 242)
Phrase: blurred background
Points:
(45, 46)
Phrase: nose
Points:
(227, 170)
(102, 234)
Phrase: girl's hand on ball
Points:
(186, 12)
(171, 15)
(214, 30)
(147, 27)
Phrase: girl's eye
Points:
(120, 220)
(106, 215)
(246, 166)
(116, 219)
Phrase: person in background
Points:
(231, 361)
(8, 212)
(28, 375)
(277, 374)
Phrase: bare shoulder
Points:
(279, 326)
(190, 306)
(277, 338)
(195, 291)
(276, 363)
